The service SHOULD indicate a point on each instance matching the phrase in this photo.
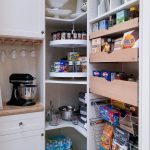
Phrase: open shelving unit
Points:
(62, 88)
(123, 60)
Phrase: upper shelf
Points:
(119, 28)
(113, 11)
(80, 20)
(68, 43)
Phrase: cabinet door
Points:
(22, 18)
(33, 140)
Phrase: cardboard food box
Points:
(96, 45)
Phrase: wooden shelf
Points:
(125, 91)
(123, 55)
(119, 28)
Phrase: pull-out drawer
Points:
(21, 123)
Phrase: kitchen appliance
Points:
(68, 111)
(24, 91)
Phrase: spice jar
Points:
(71, 66)
(134, 12)
(80, 35)
(58, 35)
(84, 35)
(77, 66)
(54, 36)
(75, 35)
(63, 35)
(69, 35)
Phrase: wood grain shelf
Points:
(125, 91)
(123, 55)
(119, 28)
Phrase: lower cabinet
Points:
(22, 132)
(32, 140)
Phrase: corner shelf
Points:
(125, 91)
(67, 124)
(123, 55)
(68, 43)
(119, 28)
(66, 81)
(68, 74)
(127, 5)
(80, 20)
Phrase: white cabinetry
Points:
(24, 132)
(22, 18)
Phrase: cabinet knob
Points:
(42, 134)
(42, 32)
(20, 123)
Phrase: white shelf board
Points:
(68, 43)
(111, 12)
(59, 81)
(65, 124)
(80, 20)
(68, 74)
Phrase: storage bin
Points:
(130, 124)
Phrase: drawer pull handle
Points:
(42, 134)
(20, 124)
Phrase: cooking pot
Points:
(27, 92)
(68, 111)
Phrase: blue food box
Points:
(103, 24)
(97, 73)
(108, 75)
(110, 114)
(63, 66)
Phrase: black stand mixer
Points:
(24, 92)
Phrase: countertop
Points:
(15, 110)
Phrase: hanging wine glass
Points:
(23, 53)
(13, 53)
(33, 52)
(3, 52)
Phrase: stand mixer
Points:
(24, 92)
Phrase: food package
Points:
(83, 61)
(110, 114)
(121, 16)
(95, 27)
(106, 138)
(118, 44)
(103, 24)
(108, 75)
(97, 73)
(96, 45)
(131, 39)
(120, 140)
(73, 56)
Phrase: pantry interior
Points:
(37, 52)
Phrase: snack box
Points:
(110, 114)
(95, 27)
(96, 45)
(118, 44)
(121, 16)
(103, 24)
(108, 75)
(131, 39)
(73, 56)
(97, 73)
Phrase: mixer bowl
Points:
(28, 92)
(57, 3)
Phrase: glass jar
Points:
(134, 12)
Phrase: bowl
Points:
(57, 3)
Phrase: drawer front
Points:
(21, 123)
